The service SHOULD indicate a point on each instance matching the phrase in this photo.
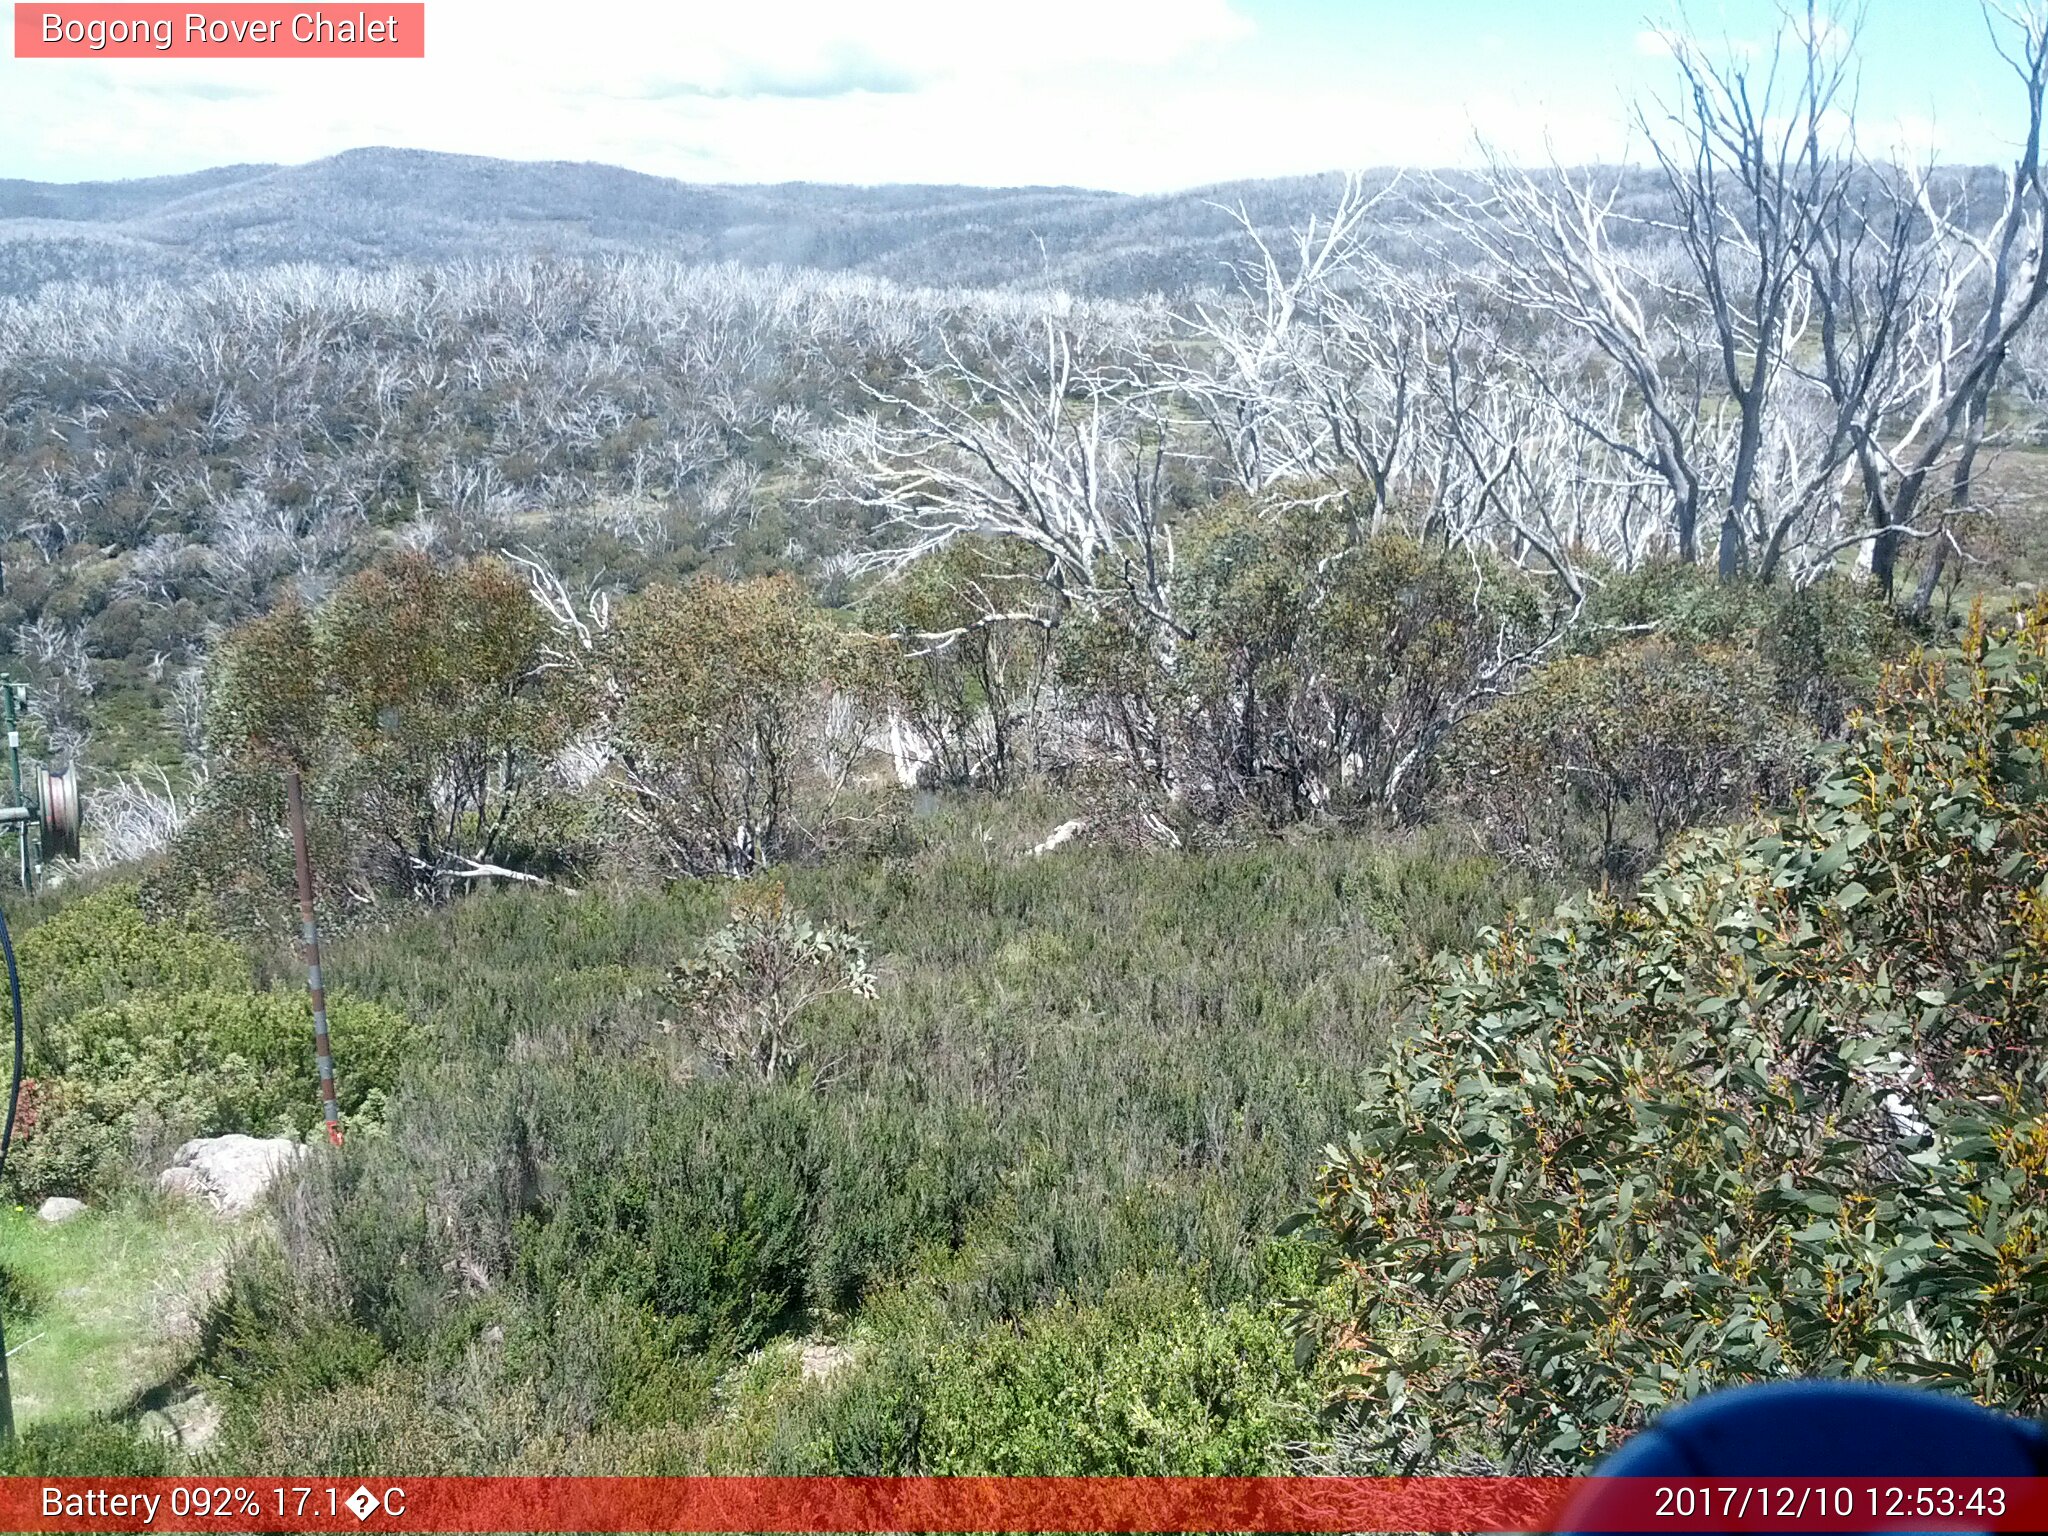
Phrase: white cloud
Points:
(1105, 126)
(619, 47)
(1129, 94)
(1910, 138)
(690, 89)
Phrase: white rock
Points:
(60, 1208)
(230, 1173)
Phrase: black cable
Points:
(13, 996)
(7, 1140)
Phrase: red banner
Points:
(233, 31)
(998, 1504)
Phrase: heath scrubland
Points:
(1394, 862)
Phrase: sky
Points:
(1129, 95)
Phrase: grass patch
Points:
(116, 1292)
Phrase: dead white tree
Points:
(136, 815)
(1852, 325)
(581, 618)
(1047, 446)
(1274, 373)
(1368, 373)
(2007, 266)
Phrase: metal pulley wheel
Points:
(59, 797)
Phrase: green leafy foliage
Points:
(1782, 1114)
(1149, 1381)
(1321, 671)
(22, 1295)
(250, 1347)
(727, 744)
(143, 1034)
(1076, 1070)
(172, 1065)
(420, 706)
(85, 1447)
(973, 636)
(1818, 649)
(1681, 701)
(650, 1210)
(104, 947)
(741, 995)
(269, 703)
(1602, 759)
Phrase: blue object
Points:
(1826, 1429)
(1832, 1429)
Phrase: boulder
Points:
(60, 1208)
(230, 1173)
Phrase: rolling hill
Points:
(372, 207)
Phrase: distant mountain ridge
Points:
(373, 207)
(381, 207)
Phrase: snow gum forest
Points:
(1370, 823)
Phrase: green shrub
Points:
(22, 1295)
(422, 707)
(1820, 648)
(102, 948)
(1600, 760)
(619, 1363)
(250, 1349)
(967, 684)
(1150, 1381)
(1782, 1115)
(1076, 1069)
(703, 1217)
(894, 1190)
(352, 1277)
(143, 1033)
(160, 1067)
(74, 1137)
(740, 997)
(1322, 668)
(90, 1447)
(230, 1060)
(729, 753)
(397, 1420)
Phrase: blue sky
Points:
(1137, 95)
